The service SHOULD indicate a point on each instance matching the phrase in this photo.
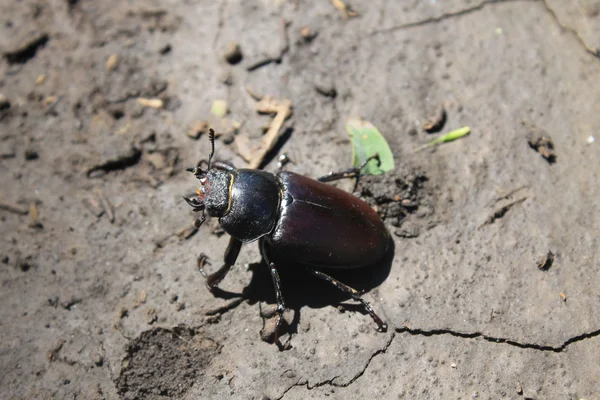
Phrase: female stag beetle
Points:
(293, 217)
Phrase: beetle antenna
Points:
(211, 137)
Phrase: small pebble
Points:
(4, 102)
(233, 53)
(111, 63)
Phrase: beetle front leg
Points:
(231, 255)
(355, 295)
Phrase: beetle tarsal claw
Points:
(198, 223)
(378, 159)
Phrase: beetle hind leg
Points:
(355, 295)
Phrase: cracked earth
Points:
(492, 290)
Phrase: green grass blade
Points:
(448, 137)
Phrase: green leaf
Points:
(366, 142)
(448, 137)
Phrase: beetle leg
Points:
(355, 295)
(282, 160)
(202, 261)
(231, 255)
(349, 173)
(280, 302)
(278, 295)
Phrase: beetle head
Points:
(214, 191)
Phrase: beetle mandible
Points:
(292, 217)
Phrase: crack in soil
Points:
(475, 335)
(220, 23)
(443, 17)
(481, 6)
(574, 32)
(501, 212)
(437, 332)
(331, 382)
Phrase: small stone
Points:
(590, 139)
(31, 155)
(228, 138)
(151, 103)
(152, 316)
(197, 129)
(307, 34)
(289, 374)
(164, 50)
(519, 388)
(233, 53)
(40, 79)
(325, 88)
(111, 63)
(408, 232)
(219, 108)
(98, 360)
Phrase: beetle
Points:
(293, 217)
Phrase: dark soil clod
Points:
(541, 142)
(394, 196)
(233, 53)
(546, 261)
(436, 122)
(164, 362)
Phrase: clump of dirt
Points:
(395, 195)
(163, 363)
(540, 141)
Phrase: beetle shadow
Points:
(302, 289)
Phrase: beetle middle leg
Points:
(278, 296)
(355, 295)
(231, 255)
(349, 173)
